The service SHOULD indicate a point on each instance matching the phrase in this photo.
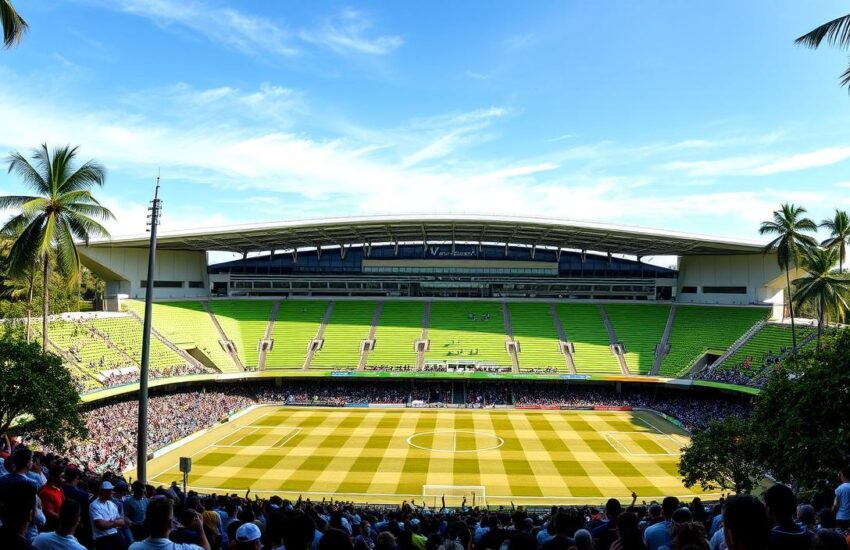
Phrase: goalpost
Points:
(476, 495)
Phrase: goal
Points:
(476, 495)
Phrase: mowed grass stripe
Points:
(578, 482)
(417, 462)
(553, 455)
(648, 444)
(466, 469)
(365, 466)
(320, 453)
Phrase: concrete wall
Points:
(124, 269)
(758, 273)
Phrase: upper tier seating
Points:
(584, 327)
(399, 327)
(533, 327)
(640, 328)
(467, 331)
(126, 334)
(765, 346)
(348, 326)
(296, 325)
(82, 341)
(245, 323)
(698, 329)
(187, 325)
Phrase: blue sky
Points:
(692, 116)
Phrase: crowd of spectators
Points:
(49, 503)
(119, 379)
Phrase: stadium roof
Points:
(335, 232)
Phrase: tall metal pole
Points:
(142, 441)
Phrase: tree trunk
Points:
(46, 303)
(29, 304)
(791, 310)
(820, 321)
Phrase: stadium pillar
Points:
(142, 431)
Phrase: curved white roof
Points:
(548, 232)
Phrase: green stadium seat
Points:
(467, 331)
(584, 327)
(697, 329)
(640, 328)
(296, 325)
(245, 323)
(399, 327)
(533, 327)
(347, 327)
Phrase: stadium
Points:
(504, 359)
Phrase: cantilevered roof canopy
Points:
(334, 232)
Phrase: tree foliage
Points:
(799, 424)
(13, 24)
(798, 431)
(721, 457)
(36, 388)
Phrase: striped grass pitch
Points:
(390, 455)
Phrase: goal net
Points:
(475, 495)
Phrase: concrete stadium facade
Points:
(467, 256)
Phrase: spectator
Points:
(135, 506)
(106, 520)
(841, 507)
(63, 538)
(628, 534)
(785, 534)
(19, 510)
(745, 523)
(658, 535)
(561, 540)
(605, 535)
(52, 497)
(248, 537)
(159, 520)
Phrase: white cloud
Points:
(230, 27)
(346, 32)
(761, 164)
(288, 173)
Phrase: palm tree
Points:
(825, 290)
(789, 226)
(48, 224)
(836, 33)
(839, 235)
(13, 24)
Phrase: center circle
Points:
(455, 441)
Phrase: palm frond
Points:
(94, 211)
(13, 24)
(84, 228)
(15, 201)
(89, 174)
(25, 251)
(21, 167)
(835, 32)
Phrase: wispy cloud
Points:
(761, 164)
(348, 32)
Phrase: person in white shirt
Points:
(159, 518)
(105, 519)
(63, 538)
(842, 499)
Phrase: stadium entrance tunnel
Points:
(455, 441)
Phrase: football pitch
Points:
(389, 455)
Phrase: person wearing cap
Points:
(248, 537)
(105, 520)
(159, 521)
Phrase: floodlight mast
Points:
(142, 439)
